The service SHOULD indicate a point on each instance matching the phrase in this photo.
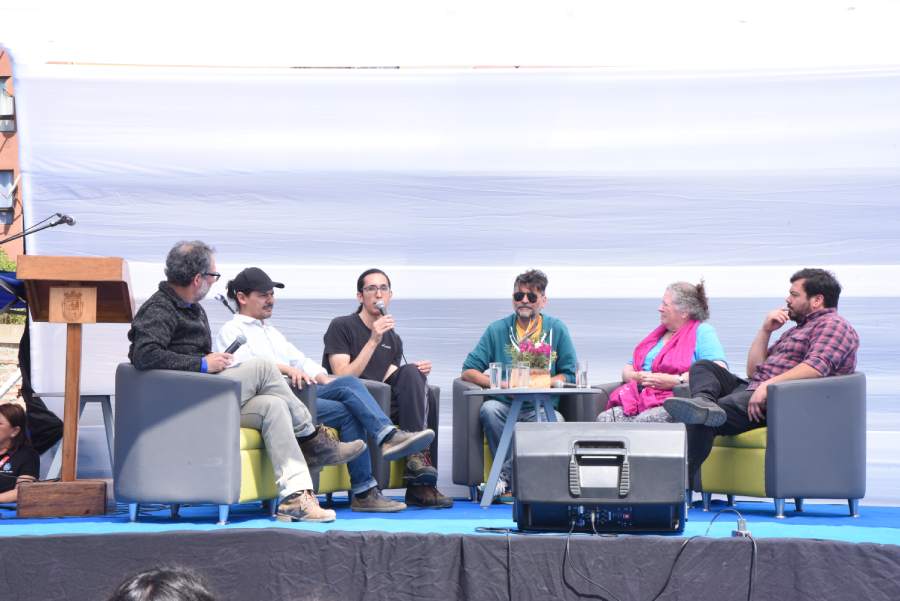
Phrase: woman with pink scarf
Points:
(662, 360)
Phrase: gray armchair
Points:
(814, 446)
(179, 440)
(469, 466)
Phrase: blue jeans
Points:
(493, 417)
(347, 406)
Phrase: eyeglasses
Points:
(384, 289)
(518, 296)
(212, 275)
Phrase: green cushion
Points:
(251, 439)
(752, 439)
(735, 471)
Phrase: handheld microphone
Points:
(561, 384)
(65, 219)
(234, 346)
(380, 306)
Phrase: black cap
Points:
(254, 278)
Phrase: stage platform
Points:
(446, 554)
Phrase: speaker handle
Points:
(592, 449)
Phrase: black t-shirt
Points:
(347, 335)
(24, 462)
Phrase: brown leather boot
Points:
(323, 449)
(403, 443)
(419, 469)
(303, 506)
(427, 496)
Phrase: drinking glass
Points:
(581, 375)
(495, 373)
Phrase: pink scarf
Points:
(675, 357)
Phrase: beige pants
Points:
(269, 405)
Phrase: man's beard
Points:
(531, 312)
(796, 316)
(204, 290)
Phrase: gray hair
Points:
(691, 299)
(187, 259)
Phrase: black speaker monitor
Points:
(602, 477)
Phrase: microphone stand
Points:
(35, 228)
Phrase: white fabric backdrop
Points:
(430, 172)
(615, 182)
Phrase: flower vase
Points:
(539, 378)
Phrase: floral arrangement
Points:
(538, 355)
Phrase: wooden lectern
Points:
(74, 291)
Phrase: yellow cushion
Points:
(251, 439)
(735, 471)
(752, 439)
(488, 459)
(333, 478)
(257, 476)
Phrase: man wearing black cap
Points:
(343, 403)
(171, 331)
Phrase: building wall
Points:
(9, 160)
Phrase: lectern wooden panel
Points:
(74, 291)
(109, 275)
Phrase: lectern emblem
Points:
(73, 305)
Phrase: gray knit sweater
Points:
(168, 333)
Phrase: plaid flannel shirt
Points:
(824, 340)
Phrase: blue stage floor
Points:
(818, 521)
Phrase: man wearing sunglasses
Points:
(364, 344)
(171, 331)
(526, 322)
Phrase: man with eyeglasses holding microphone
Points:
(526, 322)
(171, 331)
(364, 344)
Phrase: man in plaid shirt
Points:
(821, 344)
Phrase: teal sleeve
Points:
(708, 345)
(482, 354)
(566, 359)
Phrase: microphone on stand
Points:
(234, 346)
(221, 298)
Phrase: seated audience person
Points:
(662, 359)
(18, 461)
(365, 344)
(163, 584)
(822, 344)
(525, 323)
(342, 403)
(171, 331)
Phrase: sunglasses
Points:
(518, 296)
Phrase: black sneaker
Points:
(695, 410)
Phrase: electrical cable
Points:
(753, 552)
(672, 567)
(609, 595)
